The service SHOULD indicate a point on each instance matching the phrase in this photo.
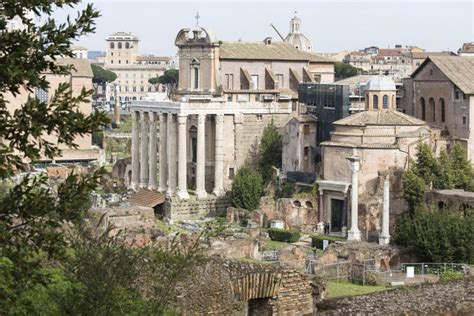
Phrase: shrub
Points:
(450, 275)
(437, 236)
(317, 240)
(247, 188)
(284, 235)
(270, 151)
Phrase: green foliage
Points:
(98, 138)
(413, 188)
(29, 54)
(169, 77)
(270, 151)
(102, 76)
(247, 188)
(317, 240)
(437, 236)
(452, 170)
(33, 217)
(343, 71)
(284, 235)
(450, 275)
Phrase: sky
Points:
(331, 25)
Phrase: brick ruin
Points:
(223, 287)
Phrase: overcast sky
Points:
(331, 25)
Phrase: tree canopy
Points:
(452, 170)
(102, 76)
(32, 214)
(343, 71)
(170, 77)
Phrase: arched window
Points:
(423, 109)
(127, 45)
(443, 113)
(119, 45)
(385, 101)
(432, 109)
(375, 101)
(112, 45)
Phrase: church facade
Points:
(228, 92)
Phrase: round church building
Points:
(384, 140)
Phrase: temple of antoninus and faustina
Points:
(192, 145)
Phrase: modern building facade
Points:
(133, 70)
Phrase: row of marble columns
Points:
(172, 152)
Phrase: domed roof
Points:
(380, 83)
(299, 41)
(296, 38)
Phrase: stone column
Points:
(153, 152)
(219, 159)
(144, 150)
(135, 150)
(201, 157)
(354, 232)
(384, 238)
(182, 158)
(163, 155)
(171, 147)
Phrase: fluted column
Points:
(135, 150)
(384, 238)
(219, 159)
(354, 232)
(182, 159)
(171, 148)
(153, 152)
(201, 158)
(163, 155)
(144, 150)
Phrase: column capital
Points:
(182, 119)
(143, 116)
(219, 118)
(151, 116)
(201, 118)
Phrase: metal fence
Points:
(366, 272)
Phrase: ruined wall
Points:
(193, 208)
(219, 287)
(248, 133)
(298, 213)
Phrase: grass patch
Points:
(273, 245)
(125, 125)
(162, 226)
(345, 288)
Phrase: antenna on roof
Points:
(279, 34)
(197, 18)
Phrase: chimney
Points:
(268, 40)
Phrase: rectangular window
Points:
(259, 117)
(306, 152)
(229, 81)
(456, 94)
(306, 129)
(231, 173)
(120, 61)
(254, 82)
(196, 78)
(134, 89)
(280, 79)
(464, 120)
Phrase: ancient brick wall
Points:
(220, 287)
(193, 208)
